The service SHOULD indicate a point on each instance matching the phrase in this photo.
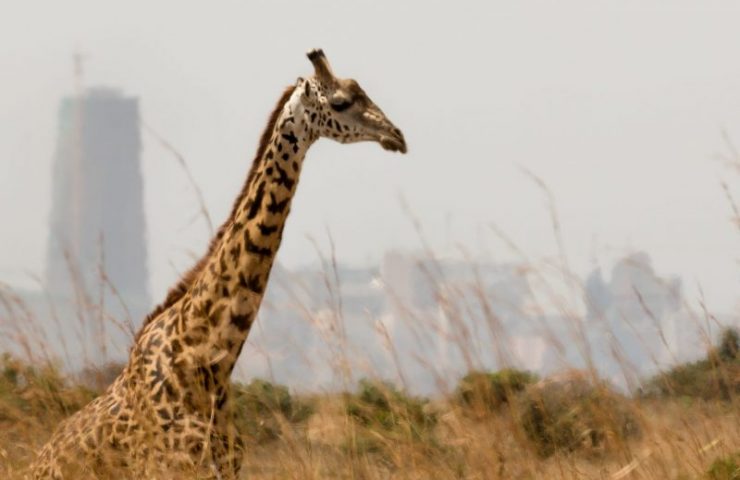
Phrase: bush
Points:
(725, 468)
(381, 405)
(99, 377)
(572, 413)
(261, 408)
(485, 392)
(27, 390)
(717, 377)
(729, 345)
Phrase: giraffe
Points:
(168, 411)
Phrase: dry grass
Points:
(381, 432)
(680, 438)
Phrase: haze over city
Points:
(624, 128)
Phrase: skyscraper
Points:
(97, 215)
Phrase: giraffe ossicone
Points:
(168, 411)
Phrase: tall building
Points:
(97, 214)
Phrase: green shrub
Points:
(573, 413)
(485, 392)
(38, 391)
(725, 468)
(716, 377)
(729, 345)
(380, 405)
(261, 408)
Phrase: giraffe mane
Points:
(186, 280)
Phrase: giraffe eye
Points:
(341, 105)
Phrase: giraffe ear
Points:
(306, 90)
(321, 65)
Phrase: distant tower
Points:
(97, 210)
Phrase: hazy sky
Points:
(618, 106)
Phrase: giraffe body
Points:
(168, 411)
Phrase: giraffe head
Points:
(338, 108)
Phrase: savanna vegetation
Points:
(685, 424)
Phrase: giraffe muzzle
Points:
(393, 140)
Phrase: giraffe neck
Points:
(226, 294)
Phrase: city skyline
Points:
(97, 222)
(627, 144)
